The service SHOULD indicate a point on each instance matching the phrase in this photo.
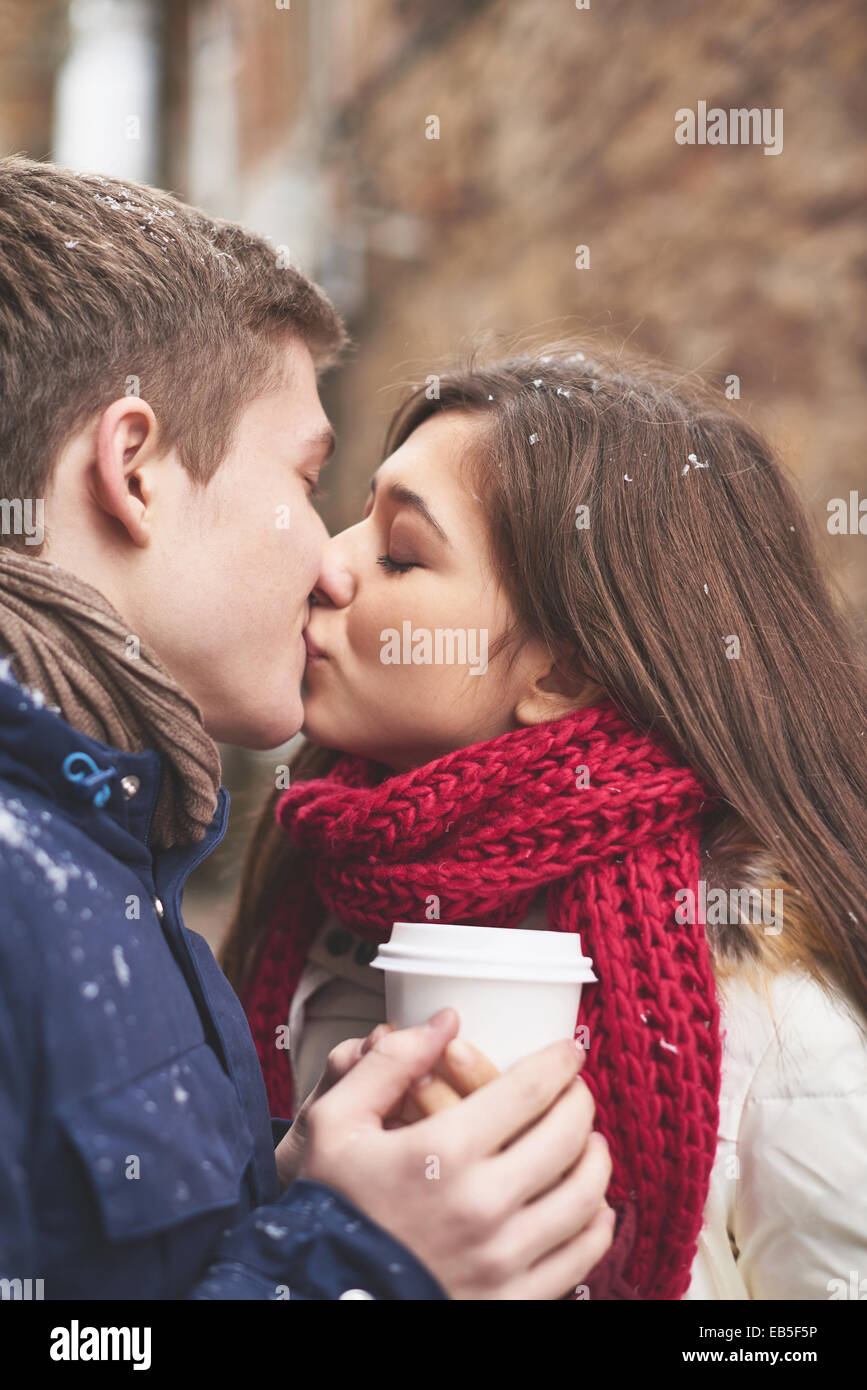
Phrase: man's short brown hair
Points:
(112, 288)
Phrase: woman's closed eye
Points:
(395, 566)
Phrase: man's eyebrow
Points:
(321, 439)
(407, 498)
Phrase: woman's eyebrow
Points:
(407, 498)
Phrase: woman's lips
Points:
(313, 652)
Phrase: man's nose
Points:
(335, 586)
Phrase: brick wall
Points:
(32, 41)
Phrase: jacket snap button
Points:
(365, 952)
(159, 909)
(338, 942)
(354, 1293)
(130, 786)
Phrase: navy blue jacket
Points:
(136, 1148)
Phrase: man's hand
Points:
(500, 1194)
(461, 1070)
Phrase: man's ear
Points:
(555, 693)
(126, 443)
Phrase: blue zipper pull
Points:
(89, 777)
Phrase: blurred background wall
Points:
(434, 164)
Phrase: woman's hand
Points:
(462, 1070)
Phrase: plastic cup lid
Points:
(434, 948)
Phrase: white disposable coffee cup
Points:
(515, 990)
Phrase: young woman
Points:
(651, 731)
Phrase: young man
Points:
(158, 374)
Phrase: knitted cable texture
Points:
(606, 818)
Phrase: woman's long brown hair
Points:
(693, 591)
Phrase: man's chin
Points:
(262, 731)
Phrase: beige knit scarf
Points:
(67, 642)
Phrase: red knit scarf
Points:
(606, 819)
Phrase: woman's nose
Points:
(335, 585)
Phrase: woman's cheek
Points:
(362, 634)
(371, 627)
